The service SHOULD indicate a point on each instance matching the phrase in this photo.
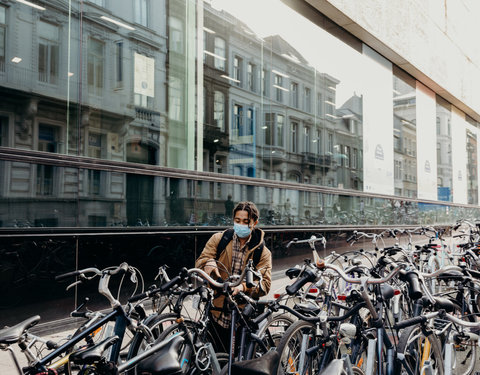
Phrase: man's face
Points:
(241, 217)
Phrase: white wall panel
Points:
(377, 123)
(426, 143)
(459, 156)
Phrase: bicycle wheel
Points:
(194, 357)
(293, 347)
(418, 349)
(271, 334)
(465, 345)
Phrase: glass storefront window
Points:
(227, 94)
(405, 136)
(444, 150)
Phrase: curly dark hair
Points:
(253, 213)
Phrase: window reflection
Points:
(472, 167)
(405, 137)
(444, 150)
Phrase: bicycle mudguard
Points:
(166, 361)
(265, 365)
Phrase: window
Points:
(439, 153)
(269, 124)
(98, 2)
(330, 107)
(48, 138)
(319, 104)
(355, 159)
(237, 70)
(220, 53)
(264, 82)
(294, 94)
(48, 52)
(94, 182)
(95, 66)
(306, 139)
(94, 145)
(274, 129)
(2, 38)
(250, 122)
(438, 126)
(119, 64)
(175, 101)
(294, 137)
(280, 130)
(251, 71)
(141, 12)
(330, 143)
(398, 170)
(237, 120)
(219, 110)
(318, 142)
(347, 156)
(308, 100)
(278, 87)
(48, 141)
(176, 35)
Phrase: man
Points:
(247, 243)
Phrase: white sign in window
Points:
(144, 75)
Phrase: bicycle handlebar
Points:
(311, 241)
(354, 280)
(423, 318)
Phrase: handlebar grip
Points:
(78, 314)
(414, 290)
(410, 322)
(262, 316)
(138, 297)
(305, 277)
(67, 275)
(120, 270)
(249, 279)
(170, 284)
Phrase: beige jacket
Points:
(225, 263)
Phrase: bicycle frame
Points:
(121, 321)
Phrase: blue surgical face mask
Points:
(242, 230)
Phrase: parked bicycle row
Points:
(402, 309)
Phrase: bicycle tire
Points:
(292, 347)
(412, 343)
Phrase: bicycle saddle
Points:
(93, 353)
(452, 276)
(11, 335)
(165, 361)
(264, 365)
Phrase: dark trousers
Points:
(221, 337)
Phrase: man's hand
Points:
(211, 267)
(238, 289)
